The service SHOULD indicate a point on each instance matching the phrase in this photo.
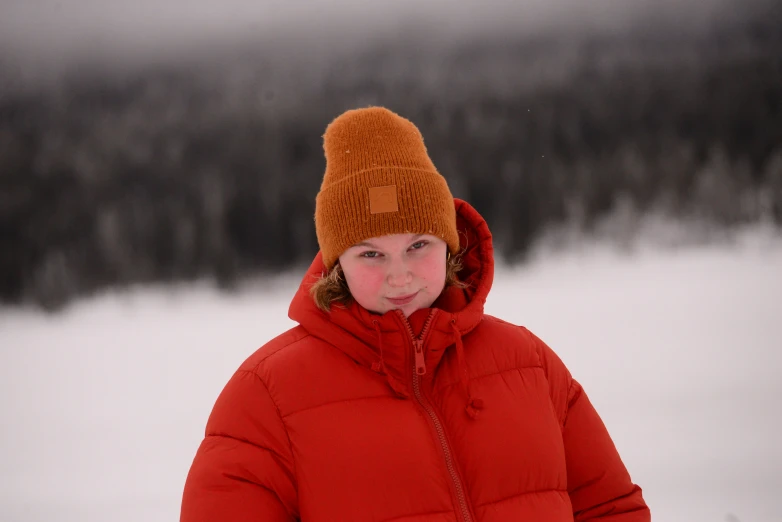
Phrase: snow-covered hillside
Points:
(681, 352)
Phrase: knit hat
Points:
(379, 180)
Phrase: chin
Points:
(411, 308)
(408, 309)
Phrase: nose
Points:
(399, 275)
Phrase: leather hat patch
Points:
(383, 199)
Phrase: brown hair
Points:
(332, 288)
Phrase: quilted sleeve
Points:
(599, 485)
(243, 470)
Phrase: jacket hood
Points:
(382, 342)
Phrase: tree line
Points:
(176, 172)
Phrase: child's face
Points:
(383, 269)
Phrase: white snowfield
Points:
(103, 407)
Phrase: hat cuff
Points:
(343, 214)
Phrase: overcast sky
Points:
(58, 28)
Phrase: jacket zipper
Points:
(419, 369)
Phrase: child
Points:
(396, 398)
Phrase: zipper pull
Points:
(420, 364)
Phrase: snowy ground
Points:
(103, 407)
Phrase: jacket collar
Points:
(363, 335)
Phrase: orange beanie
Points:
(379, 180)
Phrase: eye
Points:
(419, 245)
(369, 255)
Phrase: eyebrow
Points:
(370, 245)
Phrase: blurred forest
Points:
(209, 168)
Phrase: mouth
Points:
(402, 300)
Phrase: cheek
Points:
(365, 282)
(432, 270)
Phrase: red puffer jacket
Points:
(452, 415)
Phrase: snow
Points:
(104, 406)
